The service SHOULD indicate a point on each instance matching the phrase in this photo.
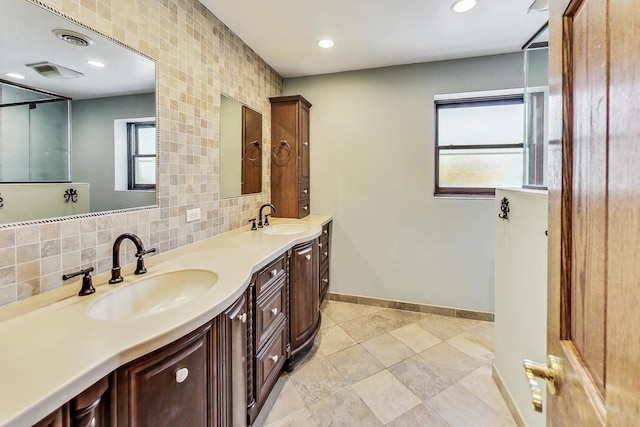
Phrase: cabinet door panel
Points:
(171, 387)
(305, 310)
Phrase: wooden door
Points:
(594, 212)
(304, 311)
(252, 151)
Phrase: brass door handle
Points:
(549, 372)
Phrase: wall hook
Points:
(71, 194)
(504, 208)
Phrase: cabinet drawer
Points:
(305, 191)
(323, 246)
(324, 281)
(270, 309)
(269, 362)
(304, 208)
(270, 274)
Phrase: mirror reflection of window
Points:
(142, 155)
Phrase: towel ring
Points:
(255, 144)
(284, 158)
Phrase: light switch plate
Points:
(193, 214)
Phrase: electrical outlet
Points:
(193, 215)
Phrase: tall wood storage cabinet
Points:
(290, 190)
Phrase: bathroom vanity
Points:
(210, 361)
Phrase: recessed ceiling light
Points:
(326, 43)
(16, 76)
(97, 64)
(462, 6)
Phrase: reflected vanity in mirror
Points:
(240, 149)
(77, 118)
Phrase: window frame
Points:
(133, 154)
(439, 103)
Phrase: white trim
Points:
(479, 94)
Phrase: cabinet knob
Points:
(274, 272)
(325, 232)
(308, 257)
(325, 280)
(305, 191)
(319, 245)
(274, 310)
(274, 358)
(306, 143)
(242, 317)
(325, 253)
(182, 374)
(305, 207)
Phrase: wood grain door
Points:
(594, 212)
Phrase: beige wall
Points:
(372, 167)
(198, 57)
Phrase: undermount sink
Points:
(284, 229)
(153, 295)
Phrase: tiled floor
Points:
(374, 366)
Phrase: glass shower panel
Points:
(49, 142)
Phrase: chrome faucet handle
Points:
(87, 283)
(140, 268)
(266, 219)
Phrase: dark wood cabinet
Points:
(304, 315)
(233, 380)
(173, 386)
(93, 407)
(290, 162)
(269, 336)
(325, 255)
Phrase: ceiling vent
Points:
(73, 37)
(54, 71)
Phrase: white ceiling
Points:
(374, 33)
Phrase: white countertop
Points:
(52, 350)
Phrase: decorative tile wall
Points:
(198, 58)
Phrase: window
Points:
(141, 143)
(479, 144)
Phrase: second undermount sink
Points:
(153, 295)
(284, 229)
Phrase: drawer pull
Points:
(274, 272)
(305, 191)
(306, 143)
(308, 257)
(305, 207)
(325, 232)
(274, 310)
(319, 245)
(325, 280)
(274, 358)
(182, 374)
(325, 253)
(242, 317)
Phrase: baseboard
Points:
(508, 399)
(410, 306)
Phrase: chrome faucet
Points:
(116, 277)
(273, 209)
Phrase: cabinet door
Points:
(234, 358)
(304, 309)
(304, 149)
(173, 386)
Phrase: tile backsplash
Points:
(197, 59)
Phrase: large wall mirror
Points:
(240, 149)
(77, 118)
